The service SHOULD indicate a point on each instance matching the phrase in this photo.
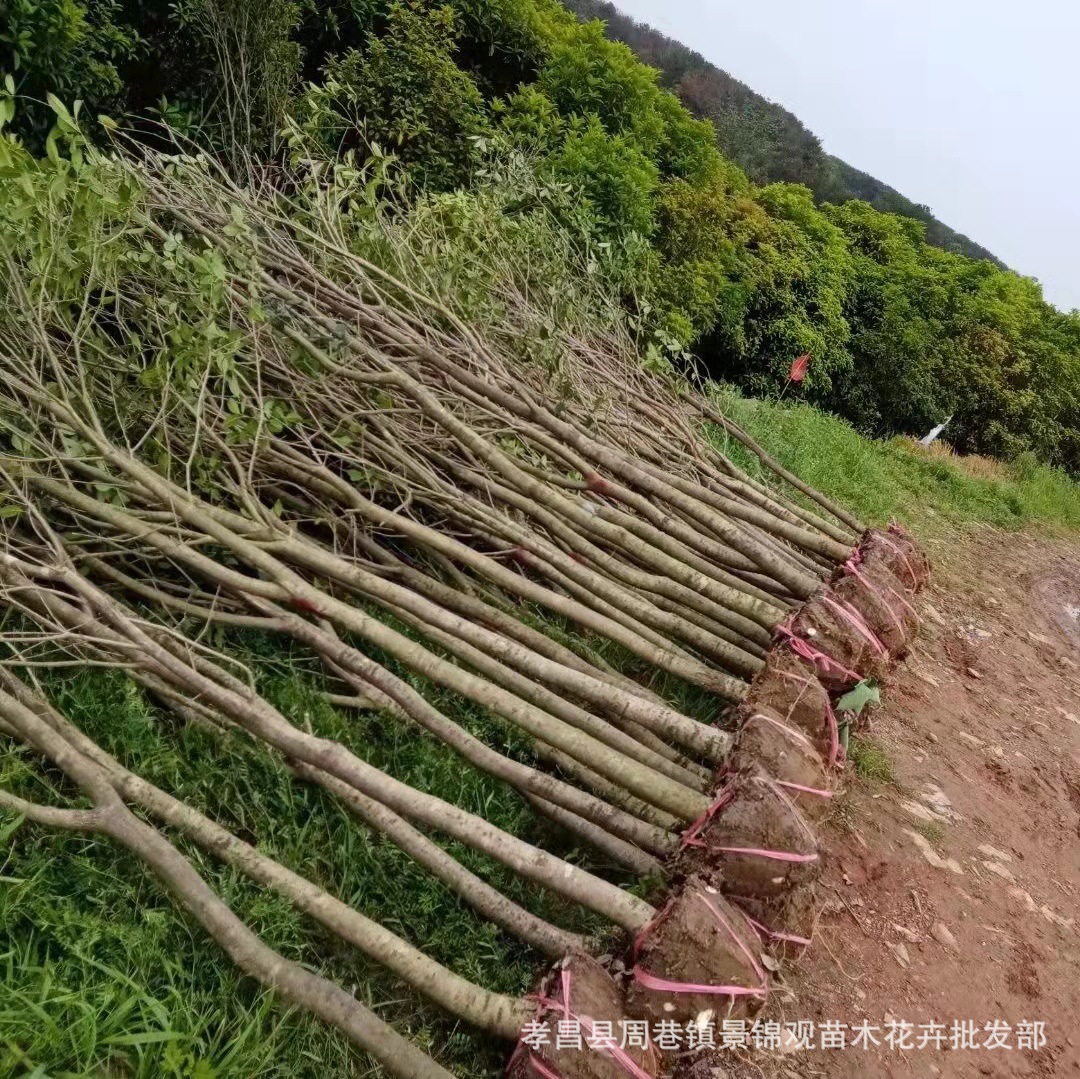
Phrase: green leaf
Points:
(856, 699)
(58, 106)
(9, 829)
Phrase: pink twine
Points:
(830, 715)
(791, 808)
(756, 852)
(855, 620)
(802, 647)
(799, 736)
(900, 554)
(857, 559)
(805, 790)
(806, 682)
(690, 839)
(665, 986)
(853, 571)
(722, 799)
(587, 1024)
(786, 727)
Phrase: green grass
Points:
(99, 975)
(933, 830)
(870, 761)
(896, 479)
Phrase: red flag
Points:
(798, 368)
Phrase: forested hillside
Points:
(767, 141)
(443, 102)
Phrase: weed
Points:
(933, 830)
(870, 761)
(99, 975)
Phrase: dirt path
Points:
(954, 892)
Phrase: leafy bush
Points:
(615, 176)
(69, 49)
(405, 94)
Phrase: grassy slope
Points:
(899, 480)
(99, 976)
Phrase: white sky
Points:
(967, 106)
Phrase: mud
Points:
(768, 746)
(789, 689)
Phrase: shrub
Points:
(404, 94)
(65, 48)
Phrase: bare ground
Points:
(953, 891)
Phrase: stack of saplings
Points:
(226, 416)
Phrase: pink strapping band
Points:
(834, 727)
(689, 837)
(851, 566)
(619, 1055)
(756, 852)
(804, 682)
(853, 571)
(856, 621)
(791, 808)
(805, 790)
(803, 648)
(799, 736)
(664, 986)
(786, 727)
(899, 553)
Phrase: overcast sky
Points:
(968, 107)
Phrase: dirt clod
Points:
(593, 997)
(699, 940)
(761, 840)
